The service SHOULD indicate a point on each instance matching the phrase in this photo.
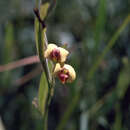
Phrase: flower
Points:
(66, 73)
(55, 53)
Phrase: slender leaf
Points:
(40, 32)
(40, 44)
(43, 94)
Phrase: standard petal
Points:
(49, 49)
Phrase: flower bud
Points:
(66, 74)
(55, 53)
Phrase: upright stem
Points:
(46, 41)
(46, 44)
(42, 45)
(45, 127)
(44, 62)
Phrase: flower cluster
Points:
(64, 72)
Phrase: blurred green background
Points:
(98, 36)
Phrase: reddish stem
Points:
(19, 63)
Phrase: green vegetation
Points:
(96, 33)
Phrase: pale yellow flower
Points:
(55, 53)
(66, 73)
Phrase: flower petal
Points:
(49, 49)
(72, 73)
(65, 73)
(64, 53)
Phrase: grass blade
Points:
(110, 44)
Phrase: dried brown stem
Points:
(28, 76)
(19, 63)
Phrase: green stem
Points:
(41, 43)
(45, 123)
(46, 44)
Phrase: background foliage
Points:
(97, 33)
